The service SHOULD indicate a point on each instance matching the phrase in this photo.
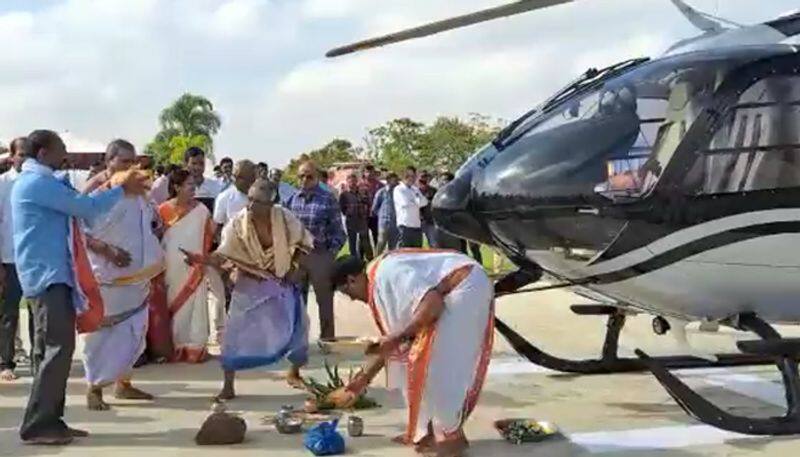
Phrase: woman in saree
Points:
(188, 226)
(263, 246)
(435, 312)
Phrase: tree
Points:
(166, 150)
(190, 115)
(450, 141)
(396, 144)
(190, 119)
(443, 145)
(337, 150)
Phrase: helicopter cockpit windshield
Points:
(612, 139)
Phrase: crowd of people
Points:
(155, 269)
(382, 211)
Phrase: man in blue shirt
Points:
(285, 190)
(319, 212)
(383, 208)
(42, 206)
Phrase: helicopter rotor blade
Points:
(511, 9)
(702, 21)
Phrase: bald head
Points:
(263, 192)
(244, 174)
(307, 174)
(261, 200)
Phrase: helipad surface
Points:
(618, 415)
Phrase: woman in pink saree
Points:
(188, 226)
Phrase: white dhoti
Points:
(110, 353)
(114, 329)
(459, 347)
(442, 375)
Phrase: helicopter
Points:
(668, 186)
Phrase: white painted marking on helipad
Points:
(515, 366)
(751, 386)
(652, 439)
(713, 371)
(740, 380)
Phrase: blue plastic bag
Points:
(324, 439)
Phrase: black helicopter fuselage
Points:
(670, 185)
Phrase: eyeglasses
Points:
(309, 176)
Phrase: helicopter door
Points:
(745, 184)
(686, 100)
(758, 146)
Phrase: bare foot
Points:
(8, 376)
(94, 400)
(125, 391)
(400, 439)
(225, 394)
(294, 379)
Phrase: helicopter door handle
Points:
(592, 211)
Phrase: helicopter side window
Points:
(758, 145)
(671, 108)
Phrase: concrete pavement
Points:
(618, 415)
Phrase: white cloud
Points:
(75, 143)
(105, 69)
(331, 9)
(240, 18)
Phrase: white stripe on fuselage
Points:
(689, 234)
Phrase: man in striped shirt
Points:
(319, 212)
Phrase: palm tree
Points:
(190, 116)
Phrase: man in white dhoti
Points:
(435, 312)
(263, 245)
(123, 256)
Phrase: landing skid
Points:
(784, 353)
(609, 362)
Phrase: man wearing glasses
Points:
(319, 212)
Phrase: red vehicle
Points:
(338, 172)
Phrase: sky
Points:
(96, 70)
